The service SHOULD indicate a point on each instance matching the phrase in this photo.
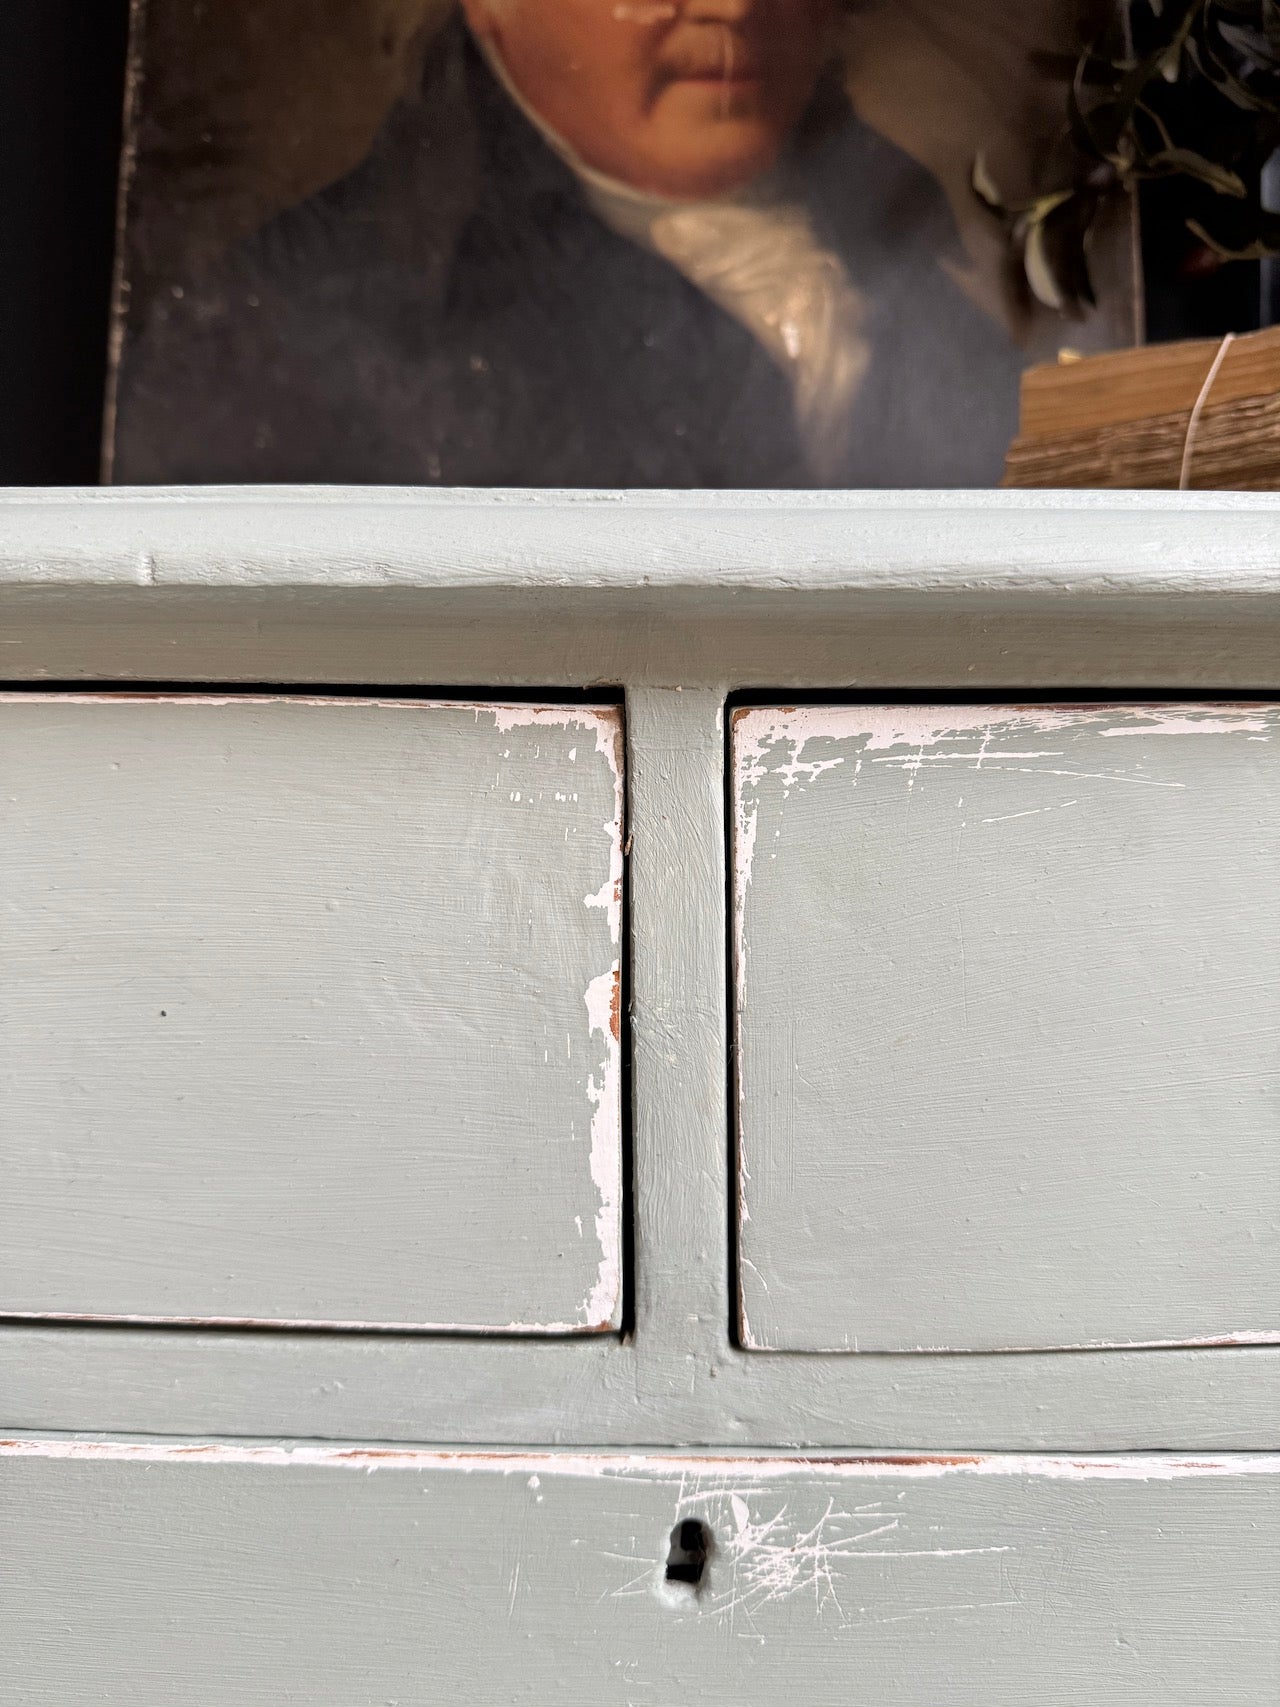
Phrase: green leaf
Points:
(1193, 165)
(1154, 119)
(1040, 274)
(1132, 84)
(1265, 244)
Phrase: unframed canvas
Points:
(614, 243)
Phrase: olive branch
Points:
(1186, 89)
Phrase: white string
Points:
(1188, 444)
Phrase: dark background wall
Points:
(61, 92)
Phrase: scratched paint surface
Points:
(1009, 1025)
(310, 1011)
(349, 1579)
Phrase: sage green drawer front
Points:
(349, 1579)
(1008, 1025)
(310, 1011)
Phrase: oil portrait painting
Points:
(616, 243)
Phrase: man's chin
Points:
(708, 159)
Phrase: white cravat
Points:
(754, 253)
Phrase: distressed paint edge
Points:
(604, 719)
(1193, 1342)
(285, 1324)
(742, 834)
(603, 1307)
(927, 722)
(655, 1466)
(303, 1324)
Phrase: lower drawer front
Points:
(254, 1575)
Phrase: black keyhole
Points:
(687, 1558)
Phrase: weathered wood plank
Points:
(348, 1577)
(310, 1012)
(1009, 1025)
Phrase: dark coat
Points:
(452, 312)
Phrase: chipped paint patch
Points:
(761, 733)
(1188, 1342)
(604, 721)
(1227, 721)
(605, 1094)
(603, 1000)
(756, 735)
(609, 744)
(286, 1324)
(709, 1474)
(924, 726)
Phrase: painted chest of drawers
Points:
(632, 1098)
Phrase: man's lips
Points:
(720, 75)
(719, 79)
(725, 62)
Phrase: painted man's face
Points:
(686, 98)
